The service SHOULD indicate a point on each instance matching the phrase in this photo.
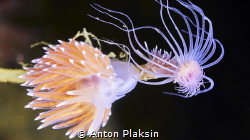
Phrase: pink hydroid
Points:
(189, 57)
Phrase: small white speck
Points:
(71, 136)
(83, 52)
(103, 124)
(51, 46)
(67, 133)
(71, 61)
(43, 88)
(70, 92)
(83, 62)
(42, 120)
(35, 60)
(145, 43)
(30, 94)
(31, 84)
(55, 47)
(82, 43)
(61, 104)
(23, 84)
(108, 67)
(29, 72)
(27, 106)
(63, 49)
(98, 74)
(28, 90)
(20, 76)
(37, 118)
(40, 127)
(60, 41)
(76, 43)
(111, 77)
(96, 55)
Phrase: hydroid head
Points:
(190, 78)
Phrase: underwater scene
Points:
(156, 69)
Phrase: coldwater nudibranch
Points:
(191, 50)
(77, 84)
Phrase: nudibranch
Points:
(190, 51)
(77, 84)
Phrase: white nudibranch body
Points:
(102, 93)
(77, 83)
(191, 49)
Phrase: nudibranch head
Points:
(77, 83)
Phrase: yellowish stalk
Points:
(11, 75)
(146, 76)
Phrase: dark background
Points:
(220, 114)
